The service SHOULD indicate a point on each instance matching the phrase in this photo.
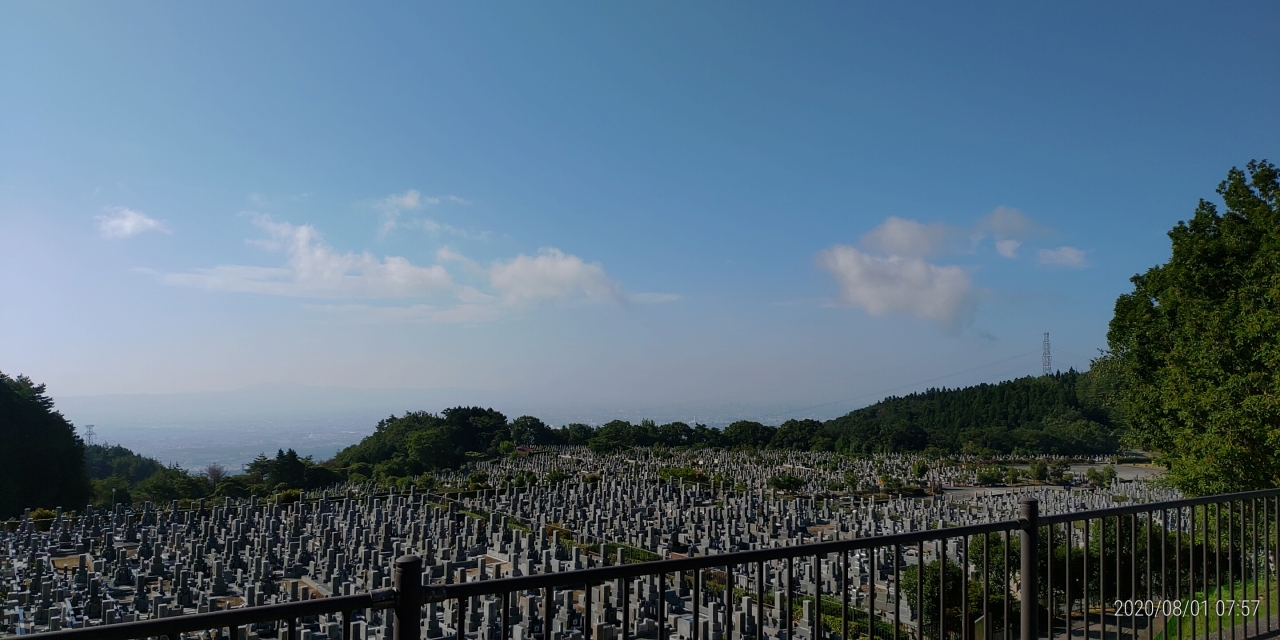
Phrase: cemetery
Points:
(92, 567)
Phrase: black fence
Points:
(1194, 568)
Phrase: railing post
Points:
(407, 580)
(1029, 514)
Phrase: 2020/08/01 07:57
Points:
(1195, 608)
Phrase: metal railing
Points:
(1193, 568)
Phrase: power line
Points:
(1075, 355)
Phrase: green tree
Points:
(1196, 345)
(576, 434)
(445, 441)
(1060, 414)
(111, 490)
(478, 480)
(171, 483)
(1058, 470)
(928, 586)
(42, 460)
(704, 436)
(1101, 478)
(786, 482)
(795, 434)
(319, 476)
(614, 436)
(435, 448)
(240, 486)
(919, 469)
(1039, 470)
(288, 470)
(746, 433)
(259, 469)
(103, 461)
(527, 430)
(990, 475)
(675, 434)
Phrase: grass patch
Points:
(1238, 591)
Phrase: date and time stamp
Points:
(1193, 608)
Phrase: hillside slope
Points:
(1057, 414)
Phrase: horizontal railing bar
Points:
(171, 626)
(440, 592)
(1147, 507)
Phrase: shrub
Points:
(786, 482)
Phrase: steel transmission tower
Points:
(1046, 360)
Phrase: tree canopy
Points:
(1196, 346)
(1063, 414)
(42, 461)
(106, 461)
(420, 441)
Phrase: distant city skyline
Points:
(647, 211)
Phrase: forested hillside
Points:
(1058, 414)
(41, 457)
(419, 441)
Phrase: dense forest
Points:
(42, 459)
(1062, 414)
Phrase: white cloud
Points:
(882, 285)
(552, 275)
(901, 237)
(410, 199)
(126, 223)
(890, 273)
(447, 254)
(1061, 257)
(1007, 222)
(1008, 247)
(315, 270)
(395, 204)
(1010, 228)
(435, 227)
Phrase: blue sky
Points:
(649, 207)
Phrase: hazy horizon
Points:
(232, 426)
